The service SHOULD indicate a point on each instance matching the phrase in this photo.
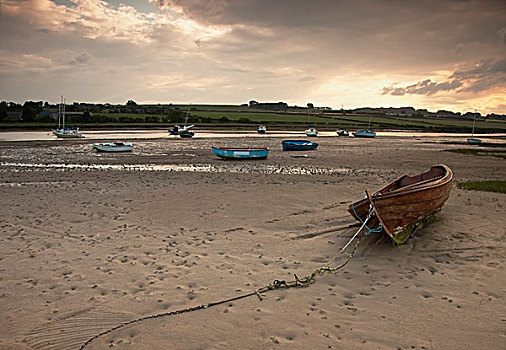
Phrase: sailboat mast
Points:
(474, 122)
(63, 108)
(59, 115)
(187, 115)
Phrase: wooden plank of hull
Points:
(401, 210)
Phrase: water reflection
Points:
(163, 134)
(198, 168)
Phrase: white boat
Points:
(472, 140)
(261, 129)
(113, 147)
(311, 131)
(342, 132)
(65, 131)
(68, 133)
(181, 130)
(184, 131)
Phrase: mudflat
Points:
(89, 241)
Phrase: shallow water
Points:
(163, 134)
(200, 168)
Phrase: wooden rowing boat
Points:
(406, 203)
(241, 153)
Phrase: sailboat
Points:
(472, 140)
(366, 132)
(184, 131)
(311, 130)
(65, 131)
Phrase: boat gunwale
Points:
(239, 149)
(448, 177)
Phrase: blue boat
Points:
(298, 145)
(240, 153)
(473, 141)
(364, 133)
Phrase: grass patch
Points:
(490, 186)
(479, 152)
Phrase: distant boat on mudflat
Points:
(68, 133)
(184, 131)
(364, 133)
(472, 140)
(261, 129)
(298, 145)
(342, 132)
(311, 131)
(113, 147)
(240, 153)
(63, 131)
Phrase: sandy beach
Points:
(89, 241)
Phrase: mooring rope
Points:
(276, 284)
(371, 213)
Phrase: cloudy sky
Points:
(431, 54)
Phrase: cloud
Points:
(426, 87)
(81, 58)
(482, 76)
(222, 51)
(88, 18)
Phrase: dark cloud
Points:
(426, 87)
(485, 67)
(483, 76)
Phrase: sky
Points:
(428, 54)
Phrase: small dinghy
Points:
(399, 208)
(240, 153)
(298, 145)
(113, 147)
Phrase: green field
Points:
(224, 116)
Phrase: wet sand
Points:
(88, 243)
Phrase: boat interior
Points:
(436, 172)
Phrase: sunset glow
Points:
(330, 53)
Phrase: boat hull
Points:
(364, 133)
(186, 134)
(473, 141)
(68, 134)
(241, 153)
(112, 147)
(296, 145)
(406, 203)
